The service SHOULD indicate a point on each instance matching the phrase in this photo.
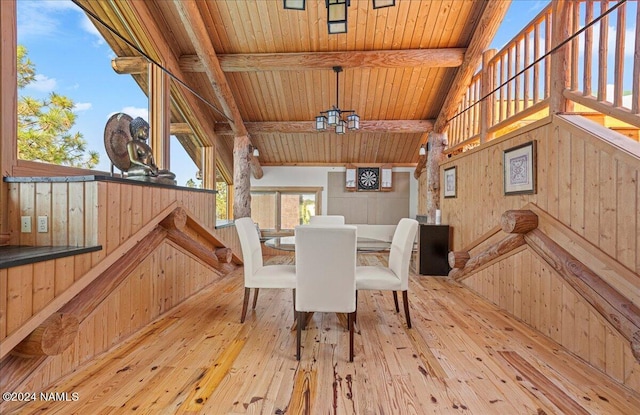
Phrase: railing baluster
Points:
(588, 45)
(575, 47)
(527, 73)
(547, 48)
(602, 53)
(536, 67)
(619, 57)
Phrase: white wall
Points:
(317, 177)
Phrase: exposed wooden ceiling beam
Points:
(488, 25)
(434, 58)
(381, 126)
(451, 57)
(192, 21)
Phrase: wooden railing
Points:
(515, 82)
(522, 229)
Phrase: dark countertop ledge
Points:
(99, 178)
(15, 255)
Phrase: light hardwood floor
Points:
(463, 355)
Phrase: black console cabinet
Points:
(435, 243)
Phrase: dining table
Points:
(288, 243)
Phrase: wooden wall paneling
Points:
(91, 206)
(518, 272)
(592, 197)
(125, 212)
(124, 307)
(551, 162)
(59, 223)
(576, 219)
(101, 219)
(113, 318)
(631, 370)
(168, 261)
(555, 306)
(147, 212)
(568, 333)
(607, 201)
(137, 208)
(158, 282)
(545, 302)
(596, 340)
(503, 283)
(81, 265)
(4, 293)
(615, 345)
(27, 208)
(19, 296)
(64, 274)
(76, 213)
(582, 329)
(527, 293)
(97, 330)
(112, 234)
(43, 208)
(536, 296)
(43, 285)
(180, 278)
(627, 207)
(564, 175)
(13, 213)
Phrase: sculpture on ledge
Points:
(125, 140)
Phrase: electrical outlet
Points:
(43, 224)
(25, 224)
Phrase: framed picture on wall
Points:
(520, 169)
(450, 182)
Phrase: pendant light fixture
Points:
(334, 117)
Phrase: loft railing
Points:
(514, 84)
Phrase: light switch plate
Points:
(25, 226)
(43, 224)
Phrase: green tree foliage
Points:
(44, 125)
(222, 199)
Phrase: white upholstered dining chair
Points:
(256, 274)
(326, 220)
(395, 277)
(325, 274)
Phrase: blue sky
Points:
(72, 59)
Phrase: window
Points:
(280, 210)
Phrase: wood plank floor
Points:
(462, 355)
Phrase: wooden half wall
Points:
(587, 180)
(123, 218)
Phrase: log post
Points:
(241, 178)
(487, 84)
(518, 221)
(434, 157)
(560, 59)
(176, 220)
(51, 338)
(458, 259)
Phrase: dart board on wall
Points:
(368, 178)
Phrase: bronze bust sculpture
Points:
(126, 144)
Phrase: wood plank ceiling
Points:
(399, 63)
